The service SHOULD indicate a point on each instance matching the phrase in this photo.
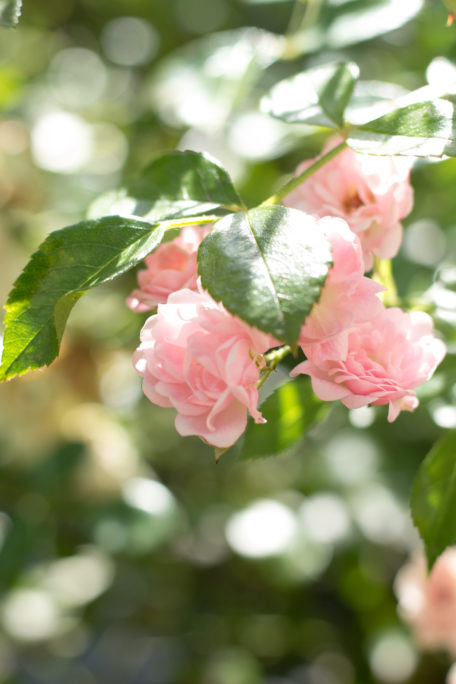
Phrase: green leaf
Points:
(178, 184)
(433, 500)
(10, 11)
(267, 266)
(290, 412)
(317, 96)
(340, 23)
(361, 21)
(182, 184)
(69, 262)
(423, 129)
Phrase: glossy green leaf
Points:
(267, 266)
(433, 500)
(317, 96)
(10, 11)
(290, 411)
(422, 129)
(176, 185)
(68, 263)
(181, 184)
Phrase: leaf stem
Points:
(303, 15)
(191, 221)
(233, 207)
(297, 180)
(272, 359)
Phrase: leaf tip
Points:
(218, 452)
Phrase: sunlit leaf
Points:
(433, 500)
(358, 22)
(346, 22)
(178, 184)
(267, 266)
(67, 264)
(182, 184)
(422, 129)
(290, 411)
(317, 96)
(10, 11)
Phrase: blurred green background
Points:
(126, 555)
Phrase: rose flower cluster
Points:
(204, 362)
(428, 602)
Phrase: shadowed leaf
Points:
(290, 411)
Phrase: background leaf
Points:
(267, 266)
(290, 411)
(422, 129)
(203, 82)
(347, 22)
(317, 96)
(69, 262)
(10, 11)
(433, 500)
(360, 21)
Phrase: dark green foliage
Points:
(267, 266)
(290, 411)
(433, 500)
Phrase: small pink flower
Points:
(372, 193)
(428, 603)
(198, 358)
(173, 266)
(385, 359)
(348, 296)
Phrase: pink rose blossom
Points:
(371, 193)
(428, 603)
(172, 266)
(451, 675)
(198, 358)
(386, 358)
(348, 296)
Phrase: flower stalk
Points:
(297, 180)
(272, 360)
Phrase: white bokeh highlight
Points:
(266, 528)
